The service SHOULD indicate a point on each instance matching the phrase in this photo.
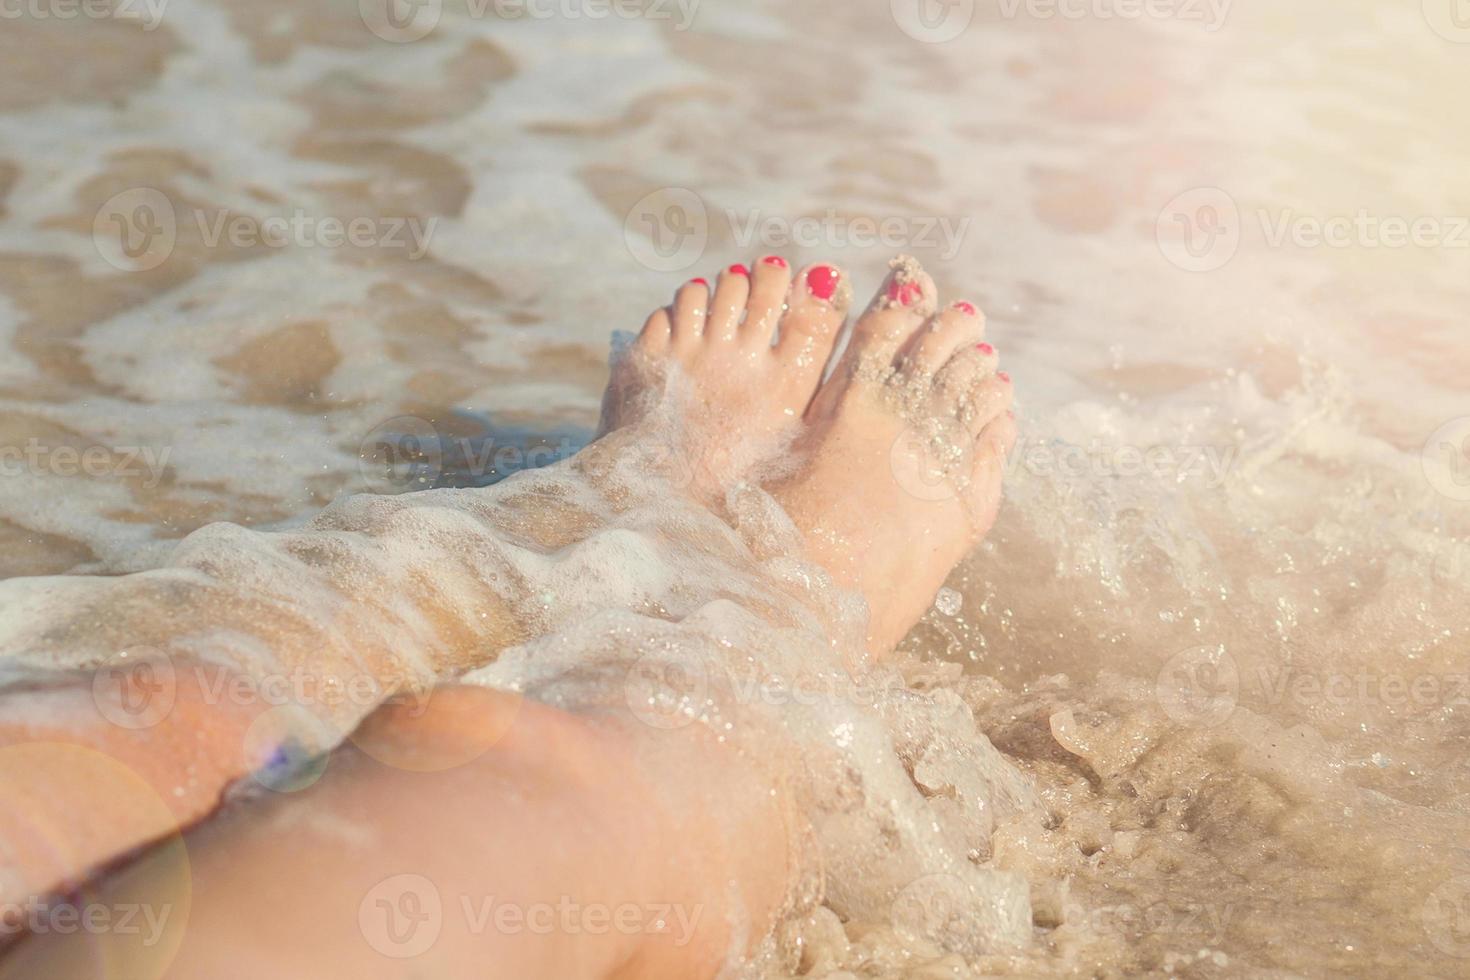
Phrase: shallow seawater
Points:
(1220, 633)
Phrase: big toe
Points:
(907, 298)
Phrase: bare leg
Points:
(79, 788)
(329, 610)
(553, 844)
(592, 810)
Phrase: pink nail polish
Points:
(739, 270)
(985, 349)
(822, 281)
(1003, 376)
(775, 260)
(699, 282)
(966, 308)
(904, 294)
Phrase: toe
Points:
(691, 305)
(654, 337)
(994, 444)
(815, 310)
(906, 299)
(770, 282)
(966, 368)
(728, 305)
(987, 401)
(959, 327)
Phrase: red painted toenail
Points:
(739, 270)
(1003, 376)
(966, 308)
(985, 349)
(822, 281)
(775, 260)
(699, 282)
(905, 294)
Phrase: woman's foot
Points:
(731, 368)
(905, 450)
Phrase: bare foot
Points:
(736, 368)
(906, 446)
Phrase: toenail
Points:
(904, 294)
(775, 260)
(985, 349)
(1003, 376)
(699, 282)
(822, 281)
(966, 308)
(739, 270)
